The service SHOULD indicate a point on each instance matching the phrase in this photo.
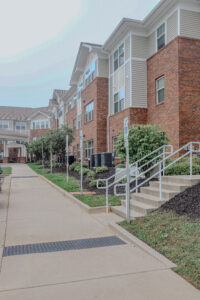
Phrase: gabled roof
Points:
(46, 114)
(19, 113)
(140, 26)
(83, 52)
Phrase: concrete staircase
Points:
(148, 199)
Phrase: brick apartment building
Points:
(19, 125)
(147, 70)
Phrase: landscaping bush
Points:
(39, 162)
(143, 139)
(73, 166)
(93, 183)
(183, 168)
(101, 169)
(120, 166)
(90, 175)
(57, 165)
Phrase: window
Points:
(21, 142)
(88, 148)
(4, 124)
(90, 74)
(115, 139)
(69, 106)
(119, 101)
(40, 124)
(35, 138)
(79, 121)
(161, 36)
(61, 111)
(160, 90)
(119, 57)
(1, 142)
(74, 124)
(80, 87)
(89, 112)
(20, 126)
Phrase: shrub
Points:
(73, 166)
(183, 168)
(93, 183)
(90, 175)
(101, 169)
(39, 162)
(57, 165)
(143, 139)
(120, 166)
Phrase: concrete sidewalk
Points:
(39, 213)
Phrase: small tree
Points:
(58, 139)
(143, 139)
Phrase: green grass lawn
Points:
(98, 200)
(175, 237)
(74, 186)
(7, 170)
(57, 178)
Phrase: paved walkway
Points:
(39, 213)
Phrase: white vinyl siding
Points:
(139, 46)
(111, 95)
(127, 85)
(111, 64)
(151, 44)
(190, 24)
(103, 68)
(172, 27)
(127, 48)
(139, 84)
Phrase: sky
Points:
(40, 41)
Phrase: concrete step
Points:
(183, 180)
(147, 199)
(140, 207)
(169, 186)
(121, 211)
(166, 194)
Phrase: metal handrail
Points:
(134, 165)
(161, 169)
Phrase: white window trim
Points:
(157, 90)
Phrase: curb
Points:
(140, 244)
(85, 207)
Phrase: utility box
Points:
(107, 159)
(97, 159)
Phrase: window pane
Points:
(121, 49)
(161, 42)
(115, 64)
(160, 83)
(116, 107)
(161, 30)
(121, 59)
(116, 55)
(161, 95)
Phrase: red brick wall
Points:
(165, 62)
(54, 124)
(116, 122)
(95, 130)
(189, 90)
(37, 133)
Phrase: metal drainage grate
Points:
(24, 176)
(63, 246)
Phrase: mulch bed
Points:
(186, 203)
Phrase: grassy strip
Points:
(59, 179)
(74, 186)
(7, 170)
(175, 237)
(98, 200)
